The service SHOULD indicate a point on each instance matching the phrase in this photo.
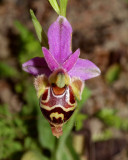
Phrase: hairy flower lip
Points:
(60, 55)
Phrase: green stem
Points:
(67, 129)
(63, 6)
(55, 5)
(54, 152)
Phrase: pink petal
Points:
(51, 61)
(36, 66)
(84, 69)
(71, 61)
(59, 38)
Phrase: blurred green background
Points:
(98, 128)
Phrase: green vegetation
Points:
(29, 46)
(112, 73)
(110, 118)
(7, 70)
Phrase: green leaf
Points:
(39, 30)
(79, 121)
(69, 145)
(103, 136)
(31, 144)
(46, 139)
(112, 73)
(63, 6)
(19, 88)
(33, 155)
(29, 46)
(30, 96)
(85, 95)
(66, 154)
(106, 112)
(109, 117)
(7, 70)
(55, 6)
(25, 34)
(124, 125)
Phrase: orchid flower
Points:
(60, 75)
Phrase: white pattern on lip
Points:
(58, 104)
(58, 96)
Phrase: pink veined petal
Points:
(71, 61)
(51, 61)
(36, 66)
(84, 69)
(59, 38)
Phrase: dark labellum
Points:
(57, 104)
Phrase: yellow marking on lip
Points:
(56, 115)
(55, 106)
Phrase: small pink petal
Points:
(51, 61)
(71, 61)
